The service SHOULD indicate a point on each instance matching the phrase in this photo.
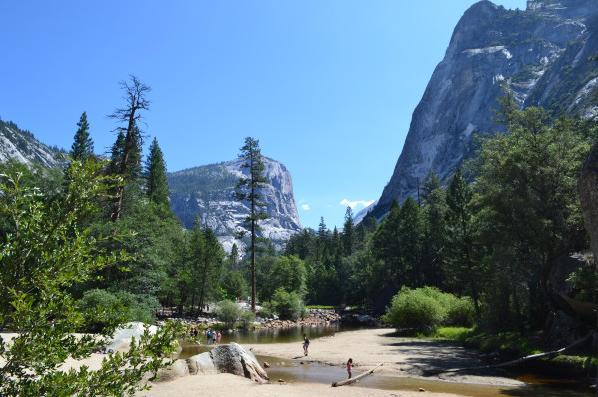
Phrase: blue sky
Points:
(327, 87)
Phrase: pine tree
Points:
(234, 257)
(248, 190)
(458, 196)
(82, 147)
(349, 232)
(322, 240)
(155, 175)
(135, 95)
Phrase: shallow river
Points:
(298, 371)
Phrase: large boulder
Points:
(232, 359)
(235, 359)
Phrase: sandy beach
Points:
(369, 348)
(400, 357)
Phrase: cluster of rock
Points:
(316, 316)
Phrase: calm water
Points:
(303, 371)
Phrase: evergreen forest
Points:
(490, 235)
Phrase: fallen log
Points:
(355, 379)
(513, 362)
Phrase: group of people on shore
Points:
(305, 352)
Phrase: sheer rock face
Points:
(541, 53)
(208, 191)
(24, 148)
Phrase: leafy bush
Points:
(287, 305)
(246, 317)
(106, 307)
(228, 312)
(141, 308)
(461, 312)
(426, 308)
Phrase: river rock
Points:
(235, 359)
(201, 364)
(232, 359)
(178, 369)
(121, 340)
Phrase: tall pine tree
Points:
(248, 190)
(155, 175)
(135, 96)
(82, 147)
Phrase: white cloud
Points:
(305, 207)
(354, 204)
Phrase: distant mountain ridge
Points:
(542, 54)
(208, 191)
(22, 146)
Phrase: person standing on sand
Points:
(349, 367)
(305, 344)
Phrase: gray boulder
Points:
(201, 364)
(232, 359)
(235, 359)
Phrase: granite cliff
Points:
(541, 53)
(21, 145)
(208, 190)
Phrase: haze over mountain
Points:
(542, 54)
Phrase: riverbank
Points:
(399, 356)
(370, 347)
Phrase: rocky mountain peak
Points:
(540, 53)
(564, 8)
(208, 191)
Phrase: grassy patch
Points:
(509, 343)
(459, 334)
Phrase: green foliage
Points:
(528, 209)
(426, 308)
(230, 313)
(227, 311)
(585, 281)
(82, 147)
(42, 257)
(235, 285)
(287, 305)
(459, 334)
(246, 317)
(288, 272)
(248, 189)
(509, 343)
(155, 175)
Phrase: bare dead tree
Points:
(135, 97)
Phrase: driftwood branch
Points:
(513, 362)
(355, 379)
